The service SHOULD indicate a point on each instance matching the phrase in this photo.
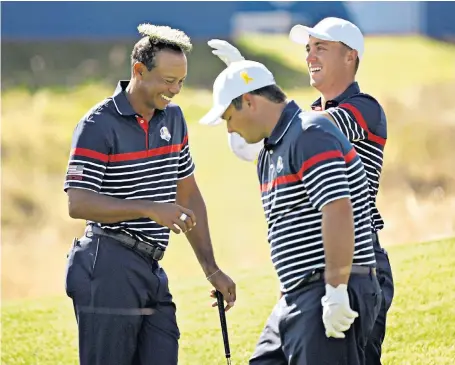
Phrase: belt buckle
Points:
(316, 275)
(311, 277)
(157, 254)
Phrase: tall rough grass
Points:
(417, 195)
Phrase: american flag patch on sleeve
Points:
(75, 172)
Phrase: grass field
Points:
(421, 326)
(417, 200)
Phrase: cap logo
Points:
(245, 77)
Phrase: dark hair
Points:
(357, 61)
(271, 92)
(156, 39)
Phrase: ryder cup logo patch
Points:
(279, 165)
(164, 134)
(272, 176)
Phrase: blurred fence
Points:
(67, 43)
(118, 20)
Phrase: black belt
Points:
(155, 252)
(318, 275)
(355, 269)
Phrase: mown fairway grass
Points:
(421, 326)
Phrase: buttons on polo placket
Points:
(140, 119)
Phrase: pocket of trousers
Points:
(371, 307)
(81, 265)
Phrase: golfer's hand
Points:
(226, 286)
(168, 215)
(225, 51)
(337, 314)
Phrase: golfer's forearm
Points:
(338, 238)
(199, 236)
(88, 205)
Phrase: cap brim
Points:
(213, 117)
(301, 34)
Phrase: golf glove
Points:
(225, 51)
(242, 149)
(337, 314)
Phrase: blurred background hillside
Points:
(60, 58)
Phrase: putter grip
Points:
(224, 331)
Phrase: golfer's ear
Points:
(248, 99)
(352, 55)
(138, 70)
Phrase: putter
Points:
(224, 331)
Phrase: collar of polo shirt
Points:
(287, 116)
(122, 103)
(238, 78)
(350, 91)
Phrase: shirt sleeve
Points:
(88, 157)
(358, 118)
(322, 168)
(186, 165)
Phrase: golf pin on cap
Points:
(238, 78)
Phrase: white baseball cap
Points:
(238, 78)
(330, 29)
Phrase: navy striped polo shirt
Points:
(307, 163)
(362, 120)
(115, 152)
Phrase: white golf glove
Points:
(337, 314)
(243, 150)
(225, 51)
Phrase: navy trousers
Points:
(123, 307)
(373, 349)
(295, 335)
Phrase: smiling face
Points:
(329, 63)
(164, 81)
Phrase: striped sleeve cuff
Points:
(347, 124)
(186, 165)
(85, 170)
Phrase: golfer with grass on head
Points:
(334, 49)
(315, 198)
(131, 177)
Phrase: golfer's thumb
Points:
(226, 296)
(351, 314)
(231, 299)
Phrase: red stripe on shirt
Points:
(287, 179)
(374, 138)
(85, 152)
(318, 158)
(350, 155)
(129, 155)
(144, 154)
(359, 118)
